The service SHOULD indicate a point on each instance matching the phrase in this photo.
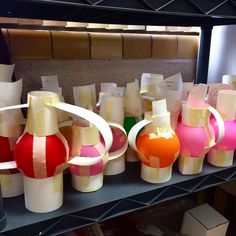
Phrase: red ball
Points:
(38, 157)
(6, 152)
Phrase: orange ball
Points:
(159, 152)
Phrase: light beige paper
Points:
(213, 92)
(133, 102)
(229, 79)
(149, 83)
(85, 96)
(6, 72)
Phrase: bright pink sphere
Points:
(228, 142)
(193, 140)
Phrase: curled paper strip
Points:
(121, 151)
(134, 132)
(8, 165)
(220, 124)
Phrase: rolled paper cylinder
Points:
(157, 144)
(112, 109)
(222, 154)
(133, 102)
(6, 72)
(43, 195)
(229, 79)
(86, 142)
(85, 96)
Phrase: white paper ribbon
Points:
(220, 124)
(134, 132)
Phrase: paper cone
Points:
(156, 175)
(220, 158)
(190, 165)
(87, 183)
(11, 185)
(43, 195)
(115, 166)
(6, 72)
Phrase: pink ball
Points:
(228, 142)
(193, 140)
(119, 139)
(90, 151)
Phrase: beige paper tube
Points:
(43, 195)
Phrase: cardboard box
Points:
(204, 221)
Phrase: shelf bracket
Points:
(203, 54)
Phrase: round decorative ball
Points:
(39, 157)
(159, 152)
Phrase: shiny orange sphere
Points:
(159, 152)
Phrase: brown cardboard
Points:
(54, 23)
(187, 46)
(6, 38)
(24, 21)
(136, 46)
(30, 44)
(106, 46)
(8, 20)
(164, 46)
(204, 221)
(70, 45)
(225, 203)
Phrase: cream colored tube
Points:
(43, 195)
